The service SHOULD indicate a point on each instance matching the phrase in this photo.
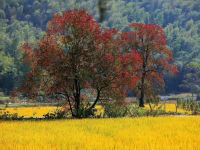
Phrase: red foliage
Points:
(79, 21)
(154, 57)
(76, 54)
(109, 58)
(149, 40)
(27, 50)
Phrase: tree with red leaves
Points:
(75, 55)
(149, 41)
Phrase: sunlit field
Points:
(169, 107)
(144, 133)
(38, 112)
(35, 112)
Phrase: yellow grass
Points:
(30, 111)
(38, 112)
(169, 107)
(146, 133)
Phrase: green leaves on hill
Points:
(6, 63)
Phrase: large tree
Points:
(75, 54)
(150, 42)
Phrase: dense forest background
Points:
(26, 21)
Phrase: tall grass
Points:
(138, 133)
(35, 112)
(38, 112)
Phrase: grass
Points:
(39, 111)
(36, 112)
(143, 133)
(170, 107)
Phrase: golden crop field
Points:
(38, 112)
(30, 111)
(145, 133)
(170, 107)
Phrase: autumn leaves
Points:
(76, 53)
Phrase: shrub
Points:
(57, 114)
(113, 110)
(134, 110)
(87, 113)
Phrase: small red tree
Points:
(150, 42)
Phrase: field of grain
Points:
(143, 133)
(35, 112)
(38, 112)
(169, 107)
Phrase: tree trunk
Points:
(96, 100)
(77, 98)
(141, 99)
(77, 115)
(70, 105)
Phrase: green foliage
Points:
(191, 78)
(11, 37)
(133, 110)
(136, 111)
(6, 63)
(113, 110)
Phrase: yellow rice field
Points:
(145, 133)
(30, 111)
(38, 112)
(170, 107)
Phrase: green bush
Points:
(113, 110)
(134, 110)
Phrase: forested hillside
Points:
(26, 21)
